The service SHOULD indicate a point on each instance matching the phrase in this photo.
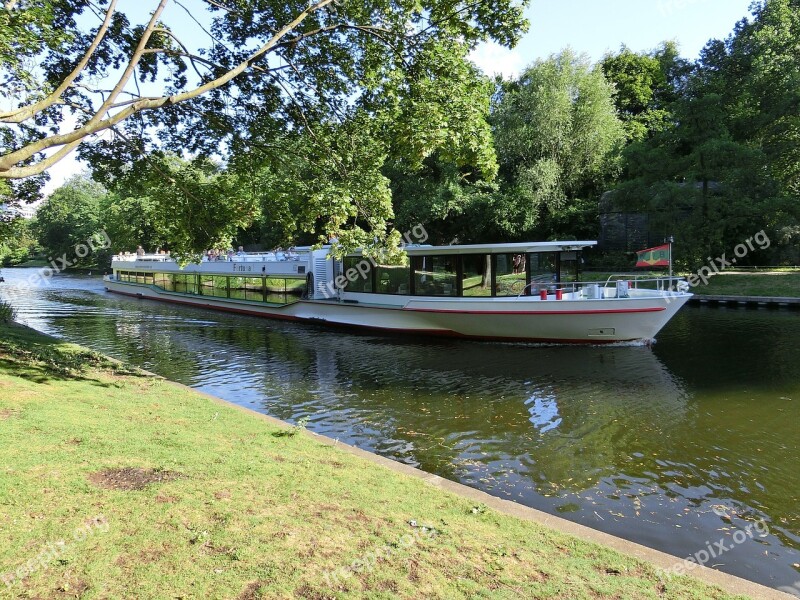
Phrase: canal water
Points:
(679, 446)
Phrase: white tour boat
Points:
(513, 292)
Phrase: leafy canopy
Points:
(251, 77)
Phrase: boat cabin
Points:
(481, 270)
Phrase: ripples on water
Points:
(674, 446)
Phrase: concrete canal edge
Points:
(662, 560)
(748, 301)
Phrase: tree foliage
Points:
(304, 70)
(558, 136)
(70, 217)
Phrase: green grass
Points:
(782, 283)
(34, 262)
(238, 508)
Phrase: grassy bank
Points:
(116, 484)
(33, 262)
(764, 283)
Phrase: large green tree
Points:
(558, 139)
(68, 218)
(273, 67)
(186, 206)
(646, 84)
(17, 240)
(725, 167)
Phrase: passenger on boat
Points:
(139, 251)
(241, 251)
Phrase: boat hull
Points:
(524, 319)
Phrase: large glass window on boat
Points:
(393, 279)
(185, 284)
(569, 266)
(510, 277)
(435, 275)
(295, 287)
(162, 280)
(477, 279)
(247, 288)
(358, 272)
(282, 290)
(214, 285)
(543, 270)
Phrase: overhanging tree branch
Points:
(26, 112)
(97, 124)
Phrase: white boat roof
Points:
(516, 248)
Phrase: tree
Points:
(17, 240)
(269, 66)
(131, 220)
(185, 206)
(558, 138)
(699, 183)
(69, 218)
(756, 73)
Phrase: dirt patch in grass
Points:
(129, 479)
(6, 414)
(73, 588)
(252, 591)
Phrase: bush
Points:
(7, 312)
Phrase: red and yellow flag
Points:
(653, 257)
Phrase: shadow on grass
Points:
(39, 358)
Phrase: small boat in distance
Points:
(527, 292)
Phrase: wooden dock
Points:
(746, 301)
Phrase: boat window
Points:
(214, 285)
(510, 274)
(162, 280)
(435, 275)
(543, 269)
(247, 288)
(569, 266)
(358, 272)
(185, 284)
(296, 287)
(280, 289)
(477, 279)
(393, 279)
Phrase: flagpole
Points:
(671, 239)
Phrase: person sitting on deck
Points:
(241, 251)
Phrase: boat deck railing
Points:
(621, 287)
(280, 256)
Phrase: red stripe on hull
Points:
(539, 312)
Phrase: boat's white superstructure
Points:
(516, 292)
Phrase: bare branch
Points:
(221, 7)
(41, 166)
(185, 54)
(97, 123)
(94, 124)
(26, 112)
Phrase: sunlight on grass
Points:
(175, 495)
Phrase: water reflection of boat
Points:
(436, 404)
(518, 292)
